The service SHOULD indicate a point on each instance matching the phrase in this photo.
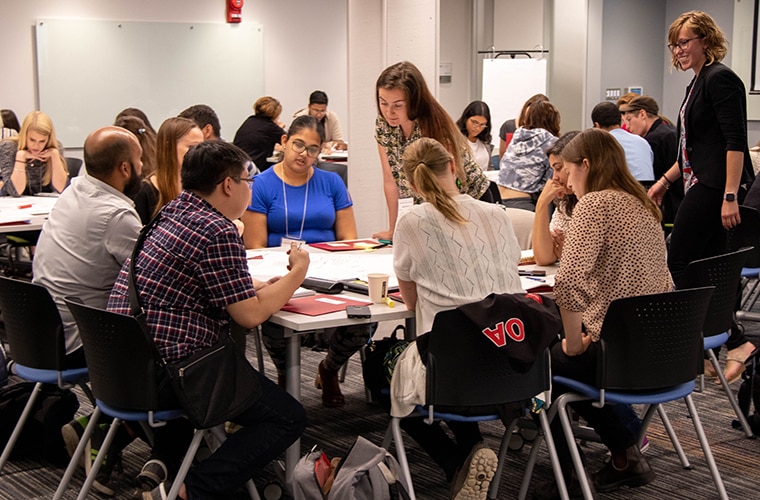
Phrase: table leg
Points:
(293, 382)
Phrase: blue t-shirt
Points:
(327, 195)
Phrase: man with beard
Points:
(91, 230)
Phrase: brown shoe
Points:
(637, 472)
(327, 380)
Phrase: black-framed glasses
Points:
(682, 44)
(300, 146)
(249, 180)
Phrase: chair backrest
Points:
(724, 273)
(747, 234)
(73, 165)
(339, 168)
(465, 368)
(652, 342)
(522, 224)
(120, 359)
(32, 324)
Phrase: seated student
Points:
(549, 235)
(638, 153)
(32, 162)
(260, 133)
(175, 137)
(615, 249)
(524, 168)
(296, 201)
(147, 140)
(205, 117)
(476, 253)
(509, 127)
(329, 120)
(139, 113)
(192, 277)
(475, 125)
(9, 125)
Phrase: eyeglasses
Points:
(682, 44)
(249, 180)
(299, 147)
(477, 124)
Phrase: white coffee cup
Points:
(378, 287)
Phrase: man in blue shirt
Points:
(638, 153)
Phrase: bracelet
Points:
(666, 186)
(21, 161)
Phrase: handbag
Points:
(379, 362)
(214, 384)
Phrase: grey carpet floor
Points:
(334, 430)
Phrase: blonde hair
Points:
(424, 160)
(705, 28)
(39, 122)
(607, 166)
(267, 106)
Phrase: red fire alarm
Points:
(234, 11)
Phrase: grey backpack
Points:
(368, 472)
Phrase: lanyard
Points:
(303, 215)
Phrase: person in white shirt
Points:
(475, 124)
(329, 120)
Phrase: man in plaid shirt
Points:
(192, 278)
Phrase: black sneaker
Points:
(637, 472)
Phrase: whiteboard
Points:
(89, 70)
(507, 84)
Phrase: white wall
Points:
(303, 51)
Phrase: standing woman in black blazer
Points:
(713, 158)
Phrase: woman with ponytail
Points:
(448, 251)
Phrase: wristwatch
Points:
(729, 196)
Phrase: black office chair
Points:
(652, 351)
(339, 168)
(35, 335)
(747, 234)
(73, 165)
(123, 373)
(724, 273)
(459, 359)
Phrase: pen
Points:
(535, 279)
(389, 302)
(21, 207)
(385, 242)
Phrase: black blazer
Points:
(716, 122)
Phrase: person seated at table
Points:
(296, 201)
(175, 137)
(329, 120)
(147, 139)
(615, 248)
(192, 278)
(550, 228)
(139, 113)
(32, 162)
(9, 125)
(473, 253)
(260, 133)
(475, 125)
(524, 168)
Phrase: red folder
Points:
(342, 246)
(319, 304)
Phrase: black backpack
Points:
(749, 392)
(41, 436)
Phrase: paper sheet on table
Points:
(537, 283)
(263, 264)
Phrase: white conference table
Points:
(25, 213)
(333, 266)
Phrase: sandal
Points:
(710, 369)
(327, 380)
(732, 375)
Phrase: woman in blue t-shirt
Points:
(294, 200)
